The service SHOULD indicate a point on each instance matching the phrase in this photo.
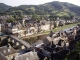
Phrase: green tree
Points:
(34, 17)
(75, 54)
(55, 24)
(18, 14)
(11, 19)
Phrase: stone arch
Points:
(23, 47)
(12, 41)
(17, 43)
(9, 40)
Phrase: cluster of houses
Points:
(27, 26)
(54, 46)
(7, 52)
(42, 49)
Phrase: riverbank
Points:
(62, 28)
(39, 36)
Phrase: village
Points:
(27, 26)
(54, 46)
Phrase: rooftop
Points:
(5, 50)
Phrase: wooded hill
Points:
(55, 8)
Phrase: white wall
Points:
(45, 27)
(9, 24)
(12, 30)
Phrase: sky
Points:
(35, 2)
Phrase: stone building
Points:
(8, 52)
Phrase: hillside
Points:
(4, 7)
(52, 8)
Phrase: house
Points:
(32, 26)
(61, 22)
(30, 29)
(45, 27)
(15, 29)
(2, 27)
(47, 40)
(8, 52)
(38, 43)
(28, 56)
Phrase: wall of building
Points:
(45, 27)
(0, 27)
(10, 30)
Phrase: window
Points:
(8, 50)
(12, 41)
(4, 51)
(17, 43)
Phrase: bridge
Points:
(18, 42)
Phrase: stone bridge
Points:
(18, 42)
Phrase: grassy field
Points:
(63, 27)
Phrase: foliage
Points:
(3, 8)
(55, 24)
(11, 19)
(34, 17)
(75, 54)
(59, 9)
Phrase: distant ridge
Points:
(52, 8)
(4, 7)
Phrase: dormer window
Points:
(8, 50)
(4, 51)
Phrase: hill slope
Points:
(52, 8)
(4, 7)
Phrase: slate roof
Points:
(23, 51)
(28, 56)
(7, 50)
(2, 57)
(47, 40)
(38, 43)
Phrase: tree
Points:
(38, 23)
(10, 19)
(34, 17)
(18, 14)
(55, 24)
(75, 54)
